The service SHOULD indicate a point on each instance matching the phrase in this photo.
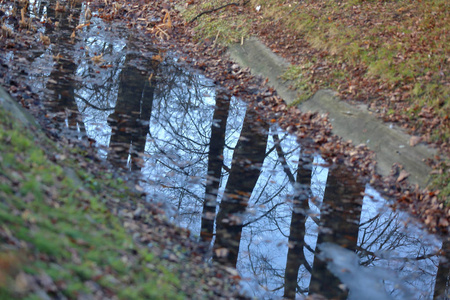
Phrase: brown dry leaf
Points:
(8, 264)
(59, 7)
(97, 59)
(88, 14)
(402, 176)
(82, 25)
(414, 140)
(443, 222)
(158, 57)
(44, 39)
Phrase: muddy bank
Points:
(390, 144)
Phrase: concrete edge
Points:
(355, 123)
(17, 111)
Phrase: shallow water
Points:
(290, 223)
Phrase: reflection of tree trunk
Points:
(130, 120)
(248, 157)
(296, 256)
(339, 224)
(61, 81)
(64, 105)
(215, 162)
(442, 284)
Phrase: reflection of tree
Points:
(247, 160)
(215, 162)
(339, 224)
(130, 120)
(442, 284)
(61, 78)
(297, 229)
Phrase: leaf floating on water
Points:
(98, 59)
(88, 14)
(82, 25)
(139, 188)
(158, 57)
(44, 39)
(59, 7)
(233, 272)
(6, 31)
(221, 252)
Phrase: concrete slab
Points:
(354, 123)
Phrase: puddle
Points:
(290, 223)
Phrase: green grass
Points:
(53, 226)
(218, 27)
(402, 42)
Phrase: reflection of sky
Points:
(399, 250)
(97, 97)
(264, 244)
(176, 156)
(175, 167)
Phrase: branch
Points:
(216, 9)
(282, 158)
(92, 105)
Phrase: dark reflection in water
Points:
(300, 209)
(340, 215)
(292, 225)
(215, 163)
(130, 120)
(63, 105)
(248, 157)
(442, 284)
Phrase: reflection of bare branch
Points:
(274, 195)
(92, 105)
(263, 188)
(377, 216)
(282, 158)
(186, 191)
(277, 288)
(379, 235)
(263, 215)
(226, 168)
(174, 131)
(374, 256)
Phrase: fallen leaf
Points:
(414, 140)
(221, 252)
(402, 176)
(98, 59)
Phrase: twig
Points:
(216, 9)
